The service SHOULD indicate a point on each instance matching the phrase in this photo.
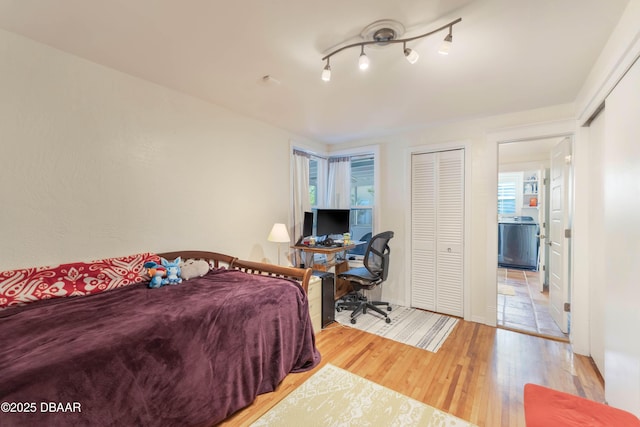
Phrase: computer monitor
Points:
(332, 221)
(307, 225)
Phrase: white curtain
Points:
(321, 191)
(301, 203)
(339, 184)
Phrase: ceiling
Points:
(538, 150)
(506, 56)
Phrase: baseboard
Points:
(479, 319)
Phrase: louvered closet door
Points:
(437, 197)
(423, 228)
(449, 219)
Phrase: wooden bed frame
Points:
(221, 260)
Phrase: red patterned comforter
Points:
(189, 354)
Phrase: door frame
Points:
(563, 294)
(432, 148)
(558, 129)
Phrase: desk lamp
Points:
(279, 234)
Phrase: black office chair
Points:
(374, 272)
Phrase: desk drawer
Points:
(314, 298)
(315, 288)
(316, 322)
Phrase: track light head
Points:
(363, 61)
(446, 44)
(326, 72)
(411, 55)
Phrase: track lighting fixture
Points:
(385, 36)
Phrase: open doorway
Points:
(524, 226)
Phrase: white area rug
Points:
(506, 290)
(418, 328)
(335, 397)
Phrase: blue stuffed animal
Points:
(157, 272)
(173, 271)
(156, 280)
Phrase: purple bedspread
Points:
(187, 355)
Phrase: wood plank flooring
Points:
(478, 374)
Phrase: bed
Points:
(187, 355)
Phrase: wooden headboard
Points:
(300, 274)
(218, 260)
(221, 260)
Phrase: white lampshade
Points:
(445, 47)
(363, 61)
(279, 234)
(411, 55)
(326, 73)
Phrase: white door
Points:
(558, 243)
(423, 231)
(437, 213)
(449, 237)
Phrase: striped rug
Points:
(411, 326)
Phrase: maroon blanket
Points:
(189, 354)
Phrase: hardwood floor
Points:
(478, 374)
(528, 309)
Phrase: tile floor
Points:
(528, 309)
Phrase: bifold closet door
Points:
(423, 231)
(449, 235)
(437, 214)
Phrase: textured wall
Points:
(96, 163)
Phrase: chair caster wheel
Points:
(388, 308)
(353, 321)
(387, 320)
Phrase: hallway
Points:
(522, 307)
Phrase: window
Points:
(362, 196)
(508, 183)
(313, 182)
(362, 192)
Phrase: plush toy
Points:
(193, 268)
(173, 271)
(157, 272)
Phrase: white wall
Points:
(616, 159)
(95, 163)
(622, 243)
(622, 48)
(482, 233)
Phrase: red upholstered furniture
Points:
(545, 407)
(25, 285)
